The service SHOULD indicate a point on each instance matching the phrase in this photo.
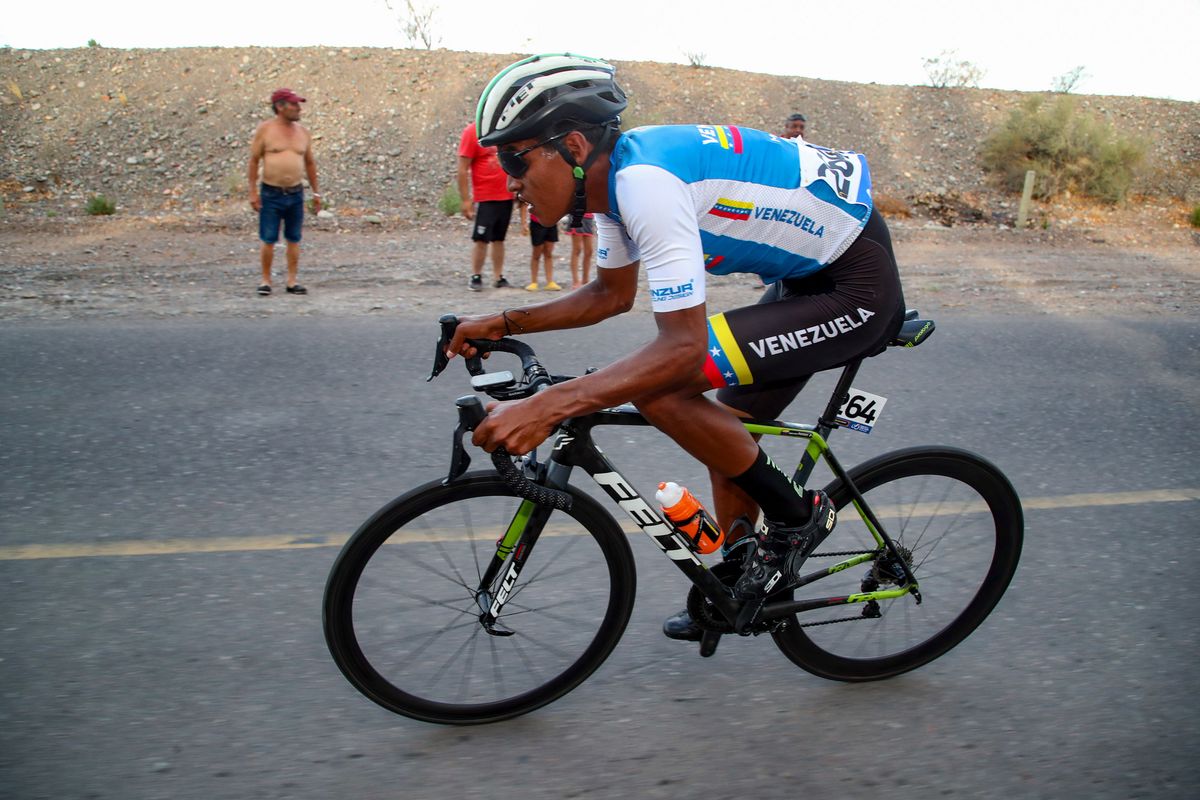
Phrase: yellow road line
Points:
(233, 544)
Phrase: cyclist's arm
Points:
(673, 360)
(660, 217)
(612, 293)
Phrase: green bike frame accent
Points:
(508, 542)
(816, 449)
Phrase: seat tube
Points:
(826, 424)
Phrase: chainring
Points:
(702, 611)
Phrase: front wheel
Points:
(403, 615)
(959, 524)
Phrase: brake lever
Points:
(449, 324)
(470, 414)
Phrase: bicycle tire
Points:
(408, 660)
(919, 495)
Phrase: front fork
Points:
(517, 541)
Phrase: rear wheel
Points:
(403, 622)
(958, 522)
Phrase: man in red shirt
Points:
(487, 201)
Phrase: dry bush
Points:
(892, 207)
(1070, 151)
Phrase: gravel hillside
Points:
(168, 130)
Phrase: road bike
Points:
(488, 594)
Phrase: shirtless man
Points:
(284, 147)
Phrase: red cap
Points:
(286, 95)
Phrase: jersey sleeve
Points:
(659, 217)
(614, 248)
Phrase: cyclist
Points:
(686, 201)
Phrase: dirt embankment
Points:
(168, 130)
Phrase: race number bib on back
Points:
(861, 411)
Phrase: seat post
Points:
(841, 393)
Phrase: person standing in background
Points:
(542, 238)
(583, 246)
(284, 149)
(793, 127)
(486, 201)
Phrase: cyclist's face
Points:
(547, 185)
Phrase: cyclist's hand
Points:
(490, 326)
(516, 425)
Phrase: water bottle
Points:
(687, 516)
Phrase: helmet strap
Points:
(579, 208)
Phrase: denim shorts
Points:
(279, 205)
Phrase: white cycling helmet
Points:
(535, 93)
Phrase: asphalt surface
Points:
(172, 495)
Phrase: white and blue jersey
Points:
(687, 200)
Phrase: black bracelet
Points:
(507, 321)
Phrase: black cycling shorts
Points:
(539, 234)
(491, 220)
(761, 356)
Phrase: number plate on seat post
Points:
(861, 411)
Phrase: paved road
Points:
(171, 494)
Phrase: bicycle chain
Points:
(833, 621)
(706, 616)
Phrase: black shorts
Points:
(761, 356)
(491, 220)
(539, 234)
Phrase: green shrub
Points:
(1196, 217)
(99, 205)
(1068, 149)
(451, 201)
(93, 43)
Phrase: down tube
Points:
(664, 537)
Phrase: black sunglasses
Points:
(513, 161)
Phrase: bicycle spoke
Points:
(947, 525)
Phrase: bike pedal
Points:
(708, 643)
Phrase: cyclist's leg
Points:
(716, 438)
(729, 501)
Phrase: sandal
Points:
(297, 289)
(265, 289)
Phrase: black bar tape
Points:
(523, 487)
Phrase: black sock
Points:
(781, 500)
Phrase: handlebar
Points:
(500, 386)
(470, 414)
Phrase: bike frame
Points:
(574, 447)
